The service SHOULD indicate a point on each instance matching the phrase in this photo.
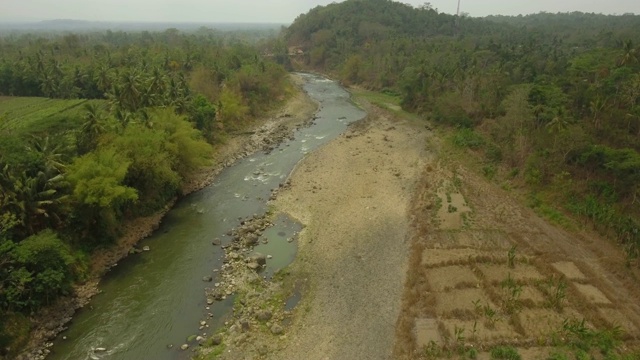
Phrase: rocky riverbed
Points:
(352, 197)
(259, 303)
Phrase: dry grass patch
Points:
(426, 332)
(592, 294)
(477, 331)
(461, 301)
(543, 322)
(520, 273)
(441, 257)
(450, 277)
(569, 270)
(615, 318)
(531, 295)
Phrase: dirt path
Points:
(353, 196)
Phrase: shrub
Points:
(40, 268)
(467, 138)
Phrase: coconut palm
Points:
(131, 90)
(103, 77)
(92, 128)
(629, 54)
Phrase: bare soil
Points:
(485, 271)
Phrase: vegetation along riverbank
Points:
(486, 207)
(510, 147)
(126, 129)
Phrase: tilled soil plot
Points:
(486, 273)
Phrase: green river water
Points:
(156, 298)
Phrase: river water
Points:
(156, 299)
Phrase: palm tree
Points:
(35, 201)
(629, 54)
(103, 77)
(597, 106)
(124, 117)
(40, 200)
(156, 91)
(50, 152)
(557, 125)
(131, 90)
(48, 85)
(92, 128)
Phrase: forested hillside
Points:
(550, 102)
(97, 128)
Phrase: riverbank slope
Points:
(261, 134)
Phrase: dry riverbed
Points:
(352, 196)
(408, 253)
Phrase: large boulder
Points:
(264, 315)
(258, 258)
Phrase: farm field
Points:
(27, 114)
(490, 279)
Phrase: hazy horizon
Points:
(267, 12)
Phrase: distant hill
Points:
(331, 33)
(550, 102)
(65, 25)
(365, 20)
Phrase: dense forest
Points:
(549, 102)
(148, 107)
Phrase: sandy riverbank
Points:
(352, 195)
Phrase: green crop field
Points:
(29, 114)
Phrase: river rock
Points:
(207, 278)
(184, 346)
(100, 349)
(199, 338)
(258, 258)
(146, 248)
(210, 301)
(251, 239)
(216, 242)
(245, 325)
(264, 315)
(277, 329)
(216, 339)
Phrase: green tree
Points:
(42, 269)
(99, 193)
(92, 128)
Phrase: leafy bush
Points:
(467, 138)
(37, 271)
(506, 353)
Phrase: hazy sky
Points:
(276, 11)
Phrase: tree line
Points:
(158, 101)
(550, 101)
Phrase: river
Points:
(153, 301)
